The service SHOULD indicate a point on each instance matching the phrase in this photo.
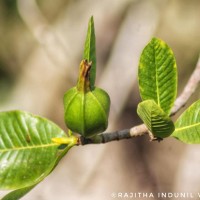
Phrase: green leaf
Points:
(27, 153)
(158, 74)
(188, 125)
(90, 51)
(156, 120)
(17, 194)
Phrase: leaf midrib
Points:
(28, 147)
(157, 85)
(186, 127)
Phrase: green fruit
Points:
(86, 109)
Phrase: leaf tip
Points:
(89, 53)
(92, 19)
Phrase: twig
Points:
(189, 89)
(106, 137)
(140, 130)
(113, 136)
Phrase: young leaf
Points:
(156, 120)
(90, 51)
(158, 74)
(27, 152)
(188, 125)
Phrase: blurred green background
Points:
(40, 51)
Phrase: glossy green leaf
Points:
(19, 193)
(27, 153)
(90, 51)
(188, 125)
(158, 74)
(156, 120)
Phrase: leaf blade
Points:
(188, 125)
(156, 120)
(18, 193)
(26, 149)
(90, 50)
(157, 74)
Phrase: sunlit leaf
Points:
(18, 193)
(90, 50)
(158, 74)
(188, 125)
(27, 153)
(156, 120)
